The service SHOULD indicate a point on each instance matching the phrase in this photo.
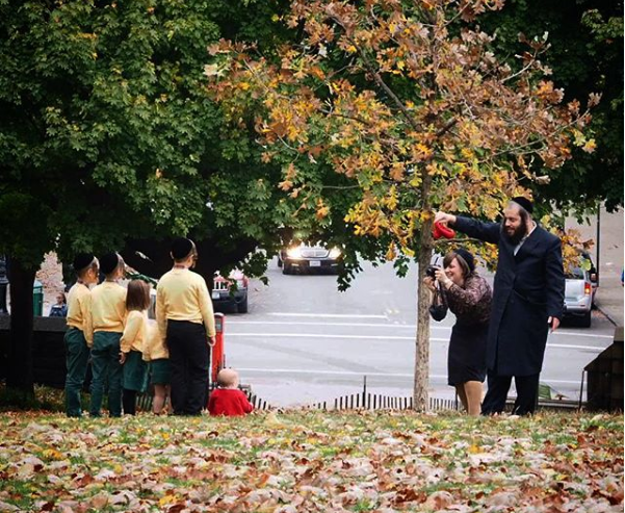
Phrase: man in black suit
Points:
(528, 300)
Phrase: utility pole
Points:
(598, 243)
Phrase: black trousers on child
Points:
(498, 387)
(189, 359)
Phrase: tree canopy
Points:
(407, 109)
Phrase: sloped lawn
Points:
(312, 462)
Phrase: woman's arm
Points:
(475, 291)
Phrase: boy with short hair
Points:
(184, 314)
(79, 335)
(108, 307)
(228, 400)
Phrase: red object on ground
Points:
(230, 402)
(440, 230)
(217, 351)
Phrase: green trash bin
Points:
(37, 298)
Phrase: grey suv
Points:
(579, 296)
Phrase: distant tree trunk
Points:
(20, 357)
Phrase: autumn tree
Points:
(402, 108)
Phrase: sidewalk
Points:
(608, 254)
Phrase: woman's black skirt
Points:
(466, 359)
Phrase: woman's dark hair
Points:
(449, 257)
(138, 297)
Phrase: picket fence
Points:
(359, 401)
(369, 401)
(144, 401)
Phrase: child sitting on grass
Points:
(228, 400)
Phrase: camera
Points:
(431, 271)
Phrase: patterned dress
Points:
(471, 304)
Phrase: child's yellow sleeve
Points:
(131, 330)
(87, 318)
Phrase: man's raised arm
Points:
(488, 232)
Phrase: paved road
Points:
(303, 341)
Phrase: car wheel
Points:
(586, 320)
(242, 306)
(279, 262)
(286, 269)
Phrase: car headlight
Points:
(294, 252)
(335, 253)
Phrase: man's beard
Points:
(517, 235)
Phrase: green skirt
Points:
(135, 372)
(160, 372)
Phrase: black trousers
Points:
(498, 387)
(189, 359)
(129, 401)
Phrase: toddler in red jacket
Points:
(228, 400)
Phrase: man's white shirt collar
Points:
(518, 246)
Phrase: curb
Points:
(608, 316)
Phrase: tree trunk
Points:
(422, 353)
(422, 350)
(20, 358)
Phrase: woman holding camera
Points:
(459, 288)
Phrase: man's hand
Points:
(554, 322)
(212, 341)
(122, 358)
(444, 218)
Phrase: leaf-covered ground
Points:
(312, 462)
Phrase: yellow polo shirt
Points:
(135, 332)
(182, 295)
(108, 307)
(155, 347)
(79, 310)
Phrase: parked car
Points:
(230, 293)
(303, 257)
(580, 291)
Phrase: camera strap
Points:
(439, 296)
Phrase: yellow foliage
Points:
(590, 146)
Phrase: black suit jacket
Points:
(529, 288)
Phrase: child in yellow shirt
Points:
(184, 314)
(132, 344)
(79, 335)
(156, 353)
(108, 307)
